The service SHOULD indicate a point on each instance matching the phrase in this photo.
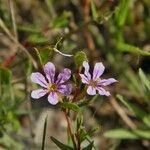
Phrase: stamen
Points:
(52, 87)
(92, 83)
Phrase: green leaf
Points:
(120, 134)
(83, 134)
(128, 134)
(93, 131)
(46, 54)
(37, 39)
(146, 120)
(5, 76)
(61, 21)
(144, 79)
(70, 106)
(89, 147)
(124, 47)
(133, 82)
(44, 134)
(79, 58)
(145, 86)
(121, 14)
(30, 29)
(79, 121)
(142, 133)
(5, 82)
(61, 145)
(94, 11)
(137, 111)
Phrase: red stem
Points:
(70, 130)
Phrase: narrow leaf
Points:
(89, 147)
(121, 14)
(128, 134)
(44, 134)
(29, 29)
(61, 145)
(37, 39)
(61, 21)
(120, 134)
(94, 11)
(71, 106)
(142, 133)
(124, 47)
(144, 79)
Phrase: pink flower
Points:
(51, 86)
(95, 83)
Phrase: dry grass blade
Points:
(12, 38)
(121, 113)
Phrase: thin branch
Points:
(70, 130)
(79, 145)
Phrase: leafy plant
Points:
(143, 130)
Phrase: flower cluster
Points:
(58, 87)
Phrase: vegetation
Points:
(68, 33)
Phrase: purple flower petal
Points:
(36, 94)
(102, 91)
(39, 79)
(106, 82)
(98, 70)
(53, 98)
(49, 70)
(84, 79)
(64, 76)
(65, 89)
(86, 67)
(91, 90)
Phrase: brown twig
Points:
(89, 39)
(86, 11)
(79, 145)
(122, 113)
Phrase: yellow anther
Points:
(52, 87)
(92, 83)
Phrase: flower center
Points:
(92, 83)
(52, 87)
